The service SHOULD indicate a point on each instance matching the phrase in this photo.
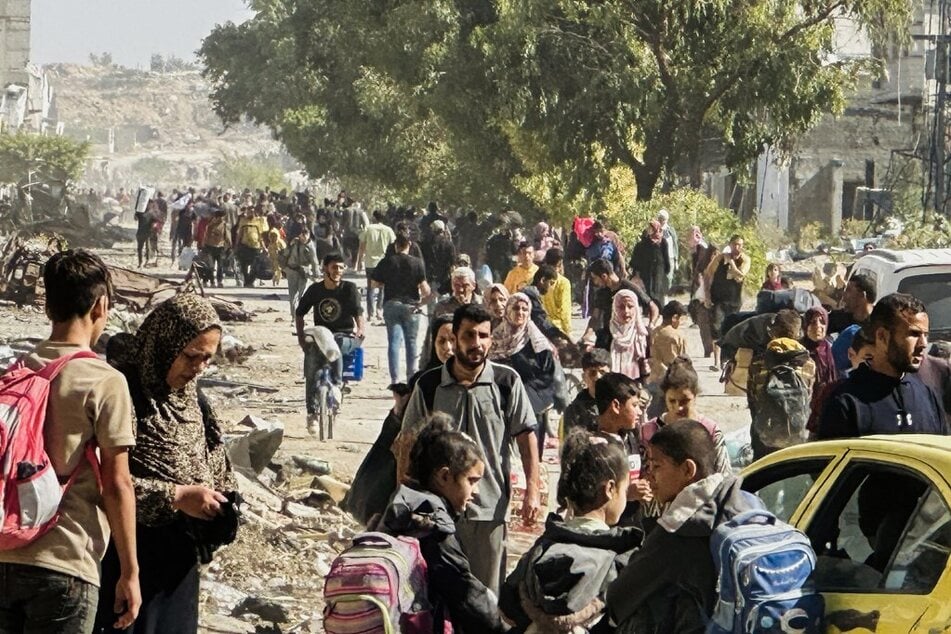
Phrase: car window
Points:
(861, 527)
(923, 554)
(934, 290)
(782, 487)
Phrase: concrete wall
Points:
(14, 41)
(818, 199)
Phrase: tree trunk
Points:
(646, 176)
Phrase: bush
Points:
(256, 172)
(689, 207)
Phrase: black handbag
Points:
(210, 535)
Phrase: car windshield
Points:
(935, 292)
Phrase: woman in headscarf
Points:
(179, 465)
(518, 342)
(701, 252)
(496, 299)
(650, 261)
(628, 346)
(815, 324)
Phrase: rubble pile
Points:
(21, 280)
(271, 578)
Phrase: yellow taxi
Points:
(878, 513)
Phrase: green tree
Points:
(26, 157)
(257, 172)
(533, 101)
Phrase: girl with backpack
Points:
(445, 468)
(560, 584)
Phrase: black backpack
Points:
(782, 405)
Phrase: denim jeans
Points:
(37, 600)
(314, 363)
(374, 295)
(402, 327)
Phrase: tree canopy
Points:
(536, 102)
(27, 157)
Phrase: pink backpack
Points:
(30, 491)
(378, 586)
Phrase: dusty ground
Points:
(282, 562)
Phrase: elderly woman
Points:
(463, 282)
(628, 341)
(496, 299)
(518, 342)
(181, 472)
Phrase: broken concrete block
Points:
(337, 489)
(256, 495)
(312, 465)
(252, 452)
(220, 624)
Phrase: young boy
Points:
(583, 411)
(621, 404)
(52, 583)
(669, 584)
(667, 342)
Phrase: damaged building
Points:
(842, 166)
(27, 96)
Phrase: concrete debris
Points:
(22, 261)
(312, 465)
(233, 350)
(335, 488)
(221, 624)
(251, 452)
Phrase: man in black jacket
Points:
(886, 396)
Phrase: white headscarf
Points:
(507, 338)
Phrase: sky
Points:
(131, 30)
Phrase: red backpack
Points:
(30, 491)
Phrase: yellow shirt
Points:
(519, 277)
(557, 303)
(251, 231)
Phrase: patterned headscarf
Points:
(628, 339)
(178, 438)
(507, 338)
(655, 231)
(695, 238)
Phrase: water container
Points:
(353, 365)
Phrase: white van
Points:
(924, 273)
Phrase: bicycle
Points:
(328, 396)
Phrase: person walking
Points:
(723, 280)
(217, 241)
(299, 262)
(673, 246)
(403, 280)
(374, 241)
(487, 401)
(650, 260)
(53, 583)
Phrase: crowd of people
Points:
(645, 473)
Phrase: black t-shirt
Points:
(335, 309)
(401, 275)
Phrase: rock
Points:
(297, 510)
(252, 452)
(312, 465)
(222, 594)
(337, 489)
(256, 495)
(225, 624)
(264, 608)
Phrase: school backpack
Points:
(30, 491)
(765, 582)
(378, 586)
(780, 395)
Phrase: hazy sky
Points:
(69, 30)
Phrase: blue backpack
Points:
(765, 584)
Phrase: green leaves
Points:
(529, 101)
(26, 157)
